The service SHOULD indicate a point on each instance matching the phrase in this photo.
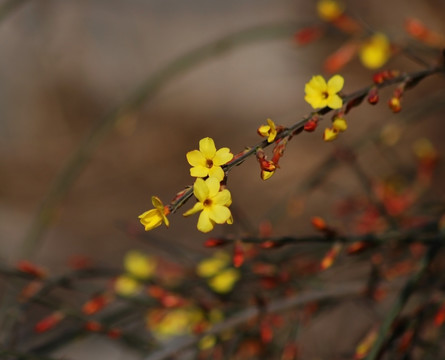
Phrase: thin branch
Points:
(402, 299)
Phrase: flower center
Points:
(209, 163)
(325, 94)
(207, 202)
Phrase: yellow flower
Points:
(212, 203)
(211, 266)
(207, 342)
(269, 131)
(224, 281)
(320, 94)
(126, 286)
(329, 10)
(207, 160)
(330, 134)
(155, 217)
(339, 124)
(376, 51)
(176, 322)
(139, 265)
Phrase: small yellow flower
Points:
(155, 217)
(207, 342)
(207, 160)
(211, 266)
(224, 281)
(269, 131)
(339, 124)
(330, 134)
(212, 203)
(139, 265)
(175, 322)
(320, 94)
(329, 10)
(126, 286)
(376, 51)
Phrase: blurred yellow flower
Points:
(329, 10)
(207, 160)
(126, 286)
(139, 265)
(211, 266)
(173, 322)
(212, 203)
(207, 342)
(320, 94)
(224, 281)
(155, 217)
(375, 51)
(269, 131)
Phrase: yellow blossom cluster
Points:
(138, 267)
(213, 201)
(375, 51)
(221, 277)
(165, 324)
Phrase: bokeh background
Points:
(65, 64)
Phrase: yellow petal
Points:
(213, 186)
(224, 281)
(218, 213)
(197, 207)
(216, 172)
(196, 158)
(335, 102)
(335, 84)
(126, 286)
(330, 134)
(139, 265)
(199, 171)
(222, 198)
(340, 124)
(207, 147)
(157, 203)
(264, 130)
(222, 156)
(200, 190)
(204, 223)
(151, 219)
(266, 174)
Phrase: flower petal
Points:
(157, 203)
(197, 207)
(151, 219)
(335, 84)
(335, 102)
(318, 83)
(222, 198)
(207, 147)
(218, 213)
(222, 156)
(199, 171)
(201, 190)
(216, 172)
(196, 158)
(213, 186)
(204, 223)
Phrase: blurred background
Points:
(64, 65)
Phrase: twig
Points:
(251, 313)
(398, 306)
